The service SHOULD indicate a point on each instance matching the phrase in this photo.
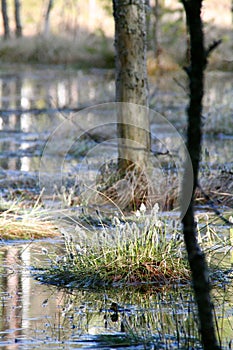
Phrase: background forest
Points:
(81, 33)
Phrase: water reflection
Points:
(24, 134)
(35, 315)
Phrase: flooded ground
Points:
(36, 316)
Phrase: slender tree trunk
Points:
(156, 27)
(18, 25)
(196, 257)
(5, 20)
(131, 81)
(47, 18)
(232, 11)
(148, 19)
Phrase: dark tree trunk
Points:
(196, 257)
(47, 18)
(5, 20)
(18, 25)
(131, 81)
(232, 11)
(156, 28)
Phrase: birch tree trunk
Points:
(131, 81)
(196, 257)
(5, 20)
(18, 25)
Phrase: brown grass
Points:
(88, 50)
(126, 192)
(19, 222)
(219, 187)
(130, 191)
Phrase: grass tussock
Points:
(123, 192)
(23, 223)
(131, 252)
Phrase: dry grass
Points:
(115, 192)
(22, 223)
(219, 187)
(124, 192)
(88, 50)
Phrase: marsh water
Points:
(34, 103)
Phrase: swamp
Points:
(83, 265)
(35, 315)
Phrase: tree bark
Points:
(131, 81)
(18, 25)
(196, 257)
(5, 20)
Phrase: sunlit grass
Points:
(138, 251)
(20, 222)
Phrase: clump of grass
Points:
(17, 222)
(133, 252)
(117, 191)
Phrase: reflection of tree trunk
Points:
(5, 20)
(196, 257)
(12, 314)
(18, 30)
(5, 105)
(47, 18)
(131, 80)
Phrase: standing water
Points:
(33, 103)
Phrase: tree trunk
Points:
(156, 27)
(196, 257)
(18, 25)
(5, 20)
(131, 82)
(47, 18)
(232, 11)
